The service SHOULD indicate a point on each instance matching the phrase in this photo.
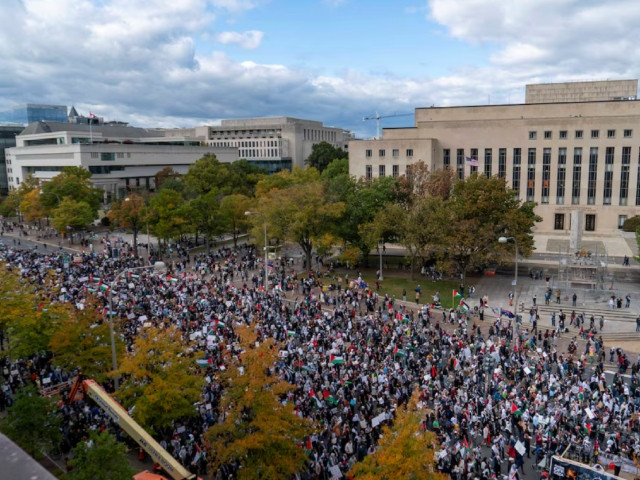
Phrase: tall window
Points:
(368, 172)
(488, 154)
(474, 155)
(367, 153)
(593, 175)
(502, 162)
(395, 152)
(531, 174)
(608, 175)
(409, 152)
(577, 175)
(381, 152)
(546, 174)
(558, 223)
(562, 175)
(515, 176)
(624, 175)
(381, 170)
(395, 171)
(446, 158)
(638, 183)
(590, 223)
(460, 162)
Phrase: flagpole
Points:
(90, 128)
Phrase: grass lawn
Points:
(394, 282)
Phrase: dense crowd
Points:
(494, 391)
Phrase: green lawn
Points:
(395, 281)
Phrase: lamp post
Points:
(380, 248)
(266, 258)
(515, 279)
(159, 267)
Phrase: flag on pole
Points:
(463, 306)
(456, 294)
(91, 115)
(472, 162)
(399, 352)
(515, 410)
(291, 333)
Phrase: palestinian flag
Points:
(198, 455)
(91, 290)
(95, 279)
(133, 275)
(456, 294)
(204, 362)
(103, 287)
(336, 360)
(463, 306)
(515, 410)
(291, 333)
(172, 279)
(405, 319)
(331, 401)
(399, 352)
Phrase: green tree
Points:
(31, 207)
(130, 212)
(243, 176)
(404, 451)
(74, 183)
(233, 208)
(33, 422)
(205, 215)
(481, 210)
(260, 429)
(206, 174)
(322, 154)
(101, 456)
(167, 214)
(160, 380)
(166, 174)
(300, 213)
(72, 215)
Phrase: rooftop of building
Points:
(113, 129)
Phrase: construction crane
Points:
(377, 118)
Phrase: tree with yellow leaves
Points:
(82, 342)
(260, 430)
(404, 451)
(160, 380)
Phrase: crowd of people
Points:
(494, 392)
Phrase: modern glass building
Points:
(7, 140)
(26, 114)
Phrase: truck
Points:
(85, 386)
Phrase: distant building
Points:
(29, 113)
(272, 143)
(7, 140)
(571, 147)
(119, 157)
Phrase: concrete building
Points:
(118, 156)
(273, 143)
(7, 140)
(26, 114)
(579, 155)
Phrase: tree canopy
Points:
(322, 154)
(100, 456)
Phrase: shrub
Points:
(631, 224)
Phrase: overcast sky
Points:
(178, 63)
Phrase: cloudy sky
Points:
(191, 62)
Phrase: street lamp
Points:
(159, 267)
(266, 259)
(515, 279)
(380, 248)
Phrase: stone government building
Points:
(570, 147)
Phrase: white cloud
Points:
(249, 40)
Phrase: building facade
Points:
(29, 113)
(7, 140)
(565, 156)
(272, 143)
(119, 157)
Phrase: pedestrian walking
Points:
(558, 295)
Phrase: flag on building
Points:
(91, 115)
(472, 162)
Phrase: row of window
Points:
(110, 156)
(589, 222)
(259, 152)
(395, 153)
(382, 171)
(562, 134)
(319, 135)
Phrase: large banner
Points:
(565, 469)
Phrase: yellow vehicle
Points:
(120, 416)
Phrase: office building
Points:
(29, 113)
(119, 156)
(571, 147)
(272, 143)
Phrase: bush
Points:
(631, 224)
